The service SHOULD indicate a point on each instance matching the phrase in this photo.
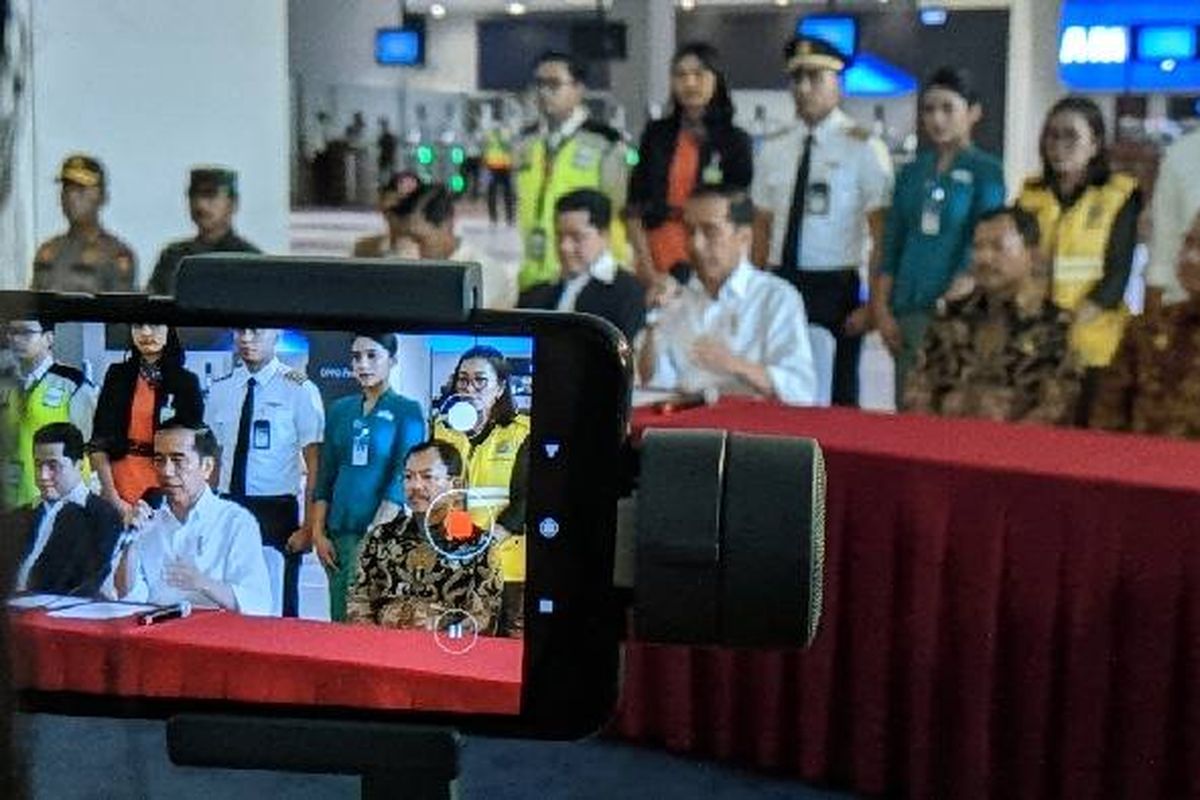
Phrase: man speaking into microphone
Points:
(197, 547)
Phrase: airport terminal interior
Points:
(846, 219)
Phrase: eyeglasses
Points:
(550, 85)
(476, 382)
(24, 333)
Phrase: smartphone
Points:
(486, 601)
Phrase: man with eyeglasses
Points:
(41, 392)
(269, 422)
(564, 151)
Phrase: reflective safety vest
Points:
(497, 151)
(22, 415)
(489, 467)
(1073, 242)
(542, 178)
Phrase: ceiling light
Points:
(516, 9)
(782, 3)
(437, 11)
(687, 5)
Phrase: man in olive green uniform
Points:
(564, 151)
(86, 258)
(213, 200)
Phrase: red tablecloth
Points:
(221, 656)
(1010, 612)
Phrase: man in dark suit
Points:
(591, 281)
(66, 540)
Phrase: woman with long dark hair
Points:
(696, 143)
(1088, 217)
(149, 388)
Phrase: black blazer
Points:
(648, 183)
(622, 302)
(79, 552)
(110, 429)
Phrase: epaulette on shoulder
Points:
(858, 132)
(601, 129)
(70, 373)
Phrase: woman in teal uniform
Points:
(937, 199)
(361, 475)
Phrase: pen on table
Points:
(175, 611)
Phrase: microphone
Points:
(174, 611)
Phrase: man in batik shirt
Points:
(429, 569)
(1002, 352)
(1153, 383)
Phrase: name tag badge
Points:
(585, 157)
(931, 211)
(962, 176)
(167, 412)
(816, 199)
(535, 245)
(360, 452)
(261, 434)
(53, 398)
(13, 474)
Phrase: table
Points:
(1010, 612)
(216, 655)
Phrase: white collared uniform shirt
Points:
(288, 416)
(1176, 203)
(220, 538)
(604, 270)
(850, 175)
(758, 316)
(78, 496)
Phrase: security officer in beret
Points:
(86, 258)
(824, 184)
(213, 200)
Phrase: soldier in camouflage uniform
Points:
(86, 258)
(1002, 352)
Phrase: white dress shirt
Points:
(220, 538)
(1176, 203)
(499, 277)
(855, 169)
(78, 496)
(604, 270)
(556, 136)
(758, 316)
(288, 416)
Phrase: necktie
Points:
(237, 477)
(790, 258)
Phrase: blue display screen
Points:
(1162, 42)
(841, 32)
(402, 47)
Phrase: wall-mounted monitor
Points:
(1165, 42)
(400, 47)
(838, 30)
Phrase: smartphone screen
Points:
(355, 518)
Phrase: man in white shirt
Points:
(592, 282)
(196, 548)
(732, 328)
(1176, 203)
(825, 184)
(269, 422)
(427, 218)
